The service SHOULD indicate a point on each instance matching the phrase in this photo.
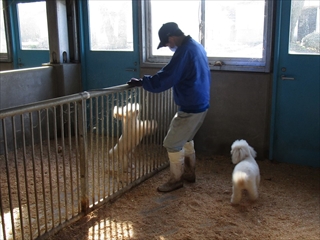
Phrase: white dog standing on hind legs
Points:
(246, 174)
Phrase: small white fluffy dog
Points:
(246, 174)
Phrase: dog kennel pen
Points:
(55, 162)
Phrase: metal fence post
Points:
(84, 180)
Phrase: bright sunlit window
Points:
(231, 32)
(188, 20)
(234, 33)
(305, 27)
(33, 26)
(110, 25)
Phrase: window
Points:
(33, 26)
(110, 25)
(234, 33)
(4, 40)
(304, 35)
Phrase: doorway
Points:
(295, 136)
(109, 33)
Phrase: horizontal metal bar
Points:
(102, 91)
(43, 104)
(60, 100)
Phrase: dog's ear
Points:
(117, 112)
(252, 152)
(236, 155)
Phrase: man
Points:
(189, 74)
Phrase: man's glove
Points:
(135, 82)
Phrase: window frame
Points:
(6, 57)
(215, 63)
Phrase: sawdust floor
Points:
(287, 208)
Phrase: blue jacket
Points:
(188, 73)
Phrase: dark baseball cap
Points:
(167, 30)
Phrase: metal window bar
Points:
(64, 157)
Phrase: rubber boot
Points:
(189, 162)
(176, 170)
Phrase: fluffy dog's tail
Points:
(239, 179)
(240, 150)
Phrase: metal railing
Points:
(64, 157)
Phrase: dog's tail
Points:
(240, 179)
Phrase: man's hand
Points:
(135, 82)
